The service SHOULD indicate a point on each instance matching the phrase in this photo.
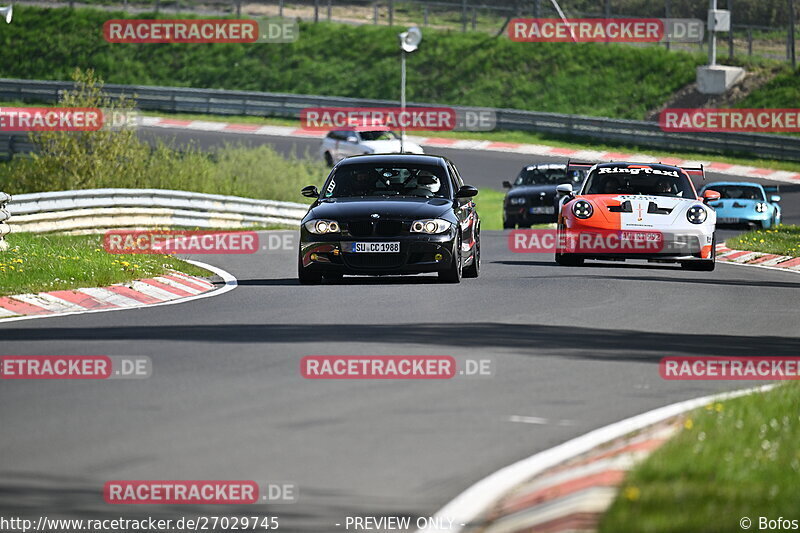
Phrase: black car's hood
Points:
(528, 190)
(386, 207)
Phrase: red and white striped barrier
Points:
(746, 257)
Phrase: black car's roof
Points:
(389, 159)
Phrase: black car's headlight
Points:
(582, 209)
(321, 227)
(696, 214)
(430, 226)
(517, 200)
(761, 207)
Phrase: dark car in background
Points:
(390, 214)
(532, 198)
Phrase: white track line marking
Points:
(230, 283)
(468, 505)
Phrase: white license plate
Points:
(728, 220)
(642, 236)
(376, 247)
(547, 210)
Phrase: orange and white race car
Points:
(637, 211)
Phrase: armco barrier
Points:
(97, 209)
(4, 215)
(220, 102)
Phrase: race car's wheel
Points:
(328, 159)
(706, 265)
(474, 269)
(569, 260)
(454, 271)
(305, 277)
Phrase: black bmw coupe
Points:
(391, 214)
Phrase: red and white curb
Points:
(473, 508)
(466, 144)
(170, 288)
(760, 259)
(573, 496)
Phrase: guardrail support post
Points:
(280, 8)
(4, 229)
(425, 15)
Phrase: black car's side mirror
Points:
(466, 191)
(310, 191)
(507, 184)
(565, 189)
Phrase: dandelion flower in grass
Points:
(688, 424)
(631, 493)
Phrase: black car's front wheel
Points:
(454, 271)
(304, 276)
(474, 268)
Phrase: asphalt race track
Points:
(574, 349)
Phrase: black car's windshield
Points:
(738, 192)
(380, 180)
(548, 176)
(639, 180)
(377, 135)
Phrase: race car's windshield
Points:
(739, 192)
(548, 176)
(639, 180)
(378, 135)
(398, 180)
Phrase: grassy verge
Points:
(783, 240)
(328, 58)
(489, 204)
(733, 459)
(36, 263)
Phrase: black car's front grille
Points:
(373, 260)
(380, 228)
(388, 228)
(360, 228)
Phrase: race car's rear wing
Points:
(771, 188)
(579, 165)
(695, 171)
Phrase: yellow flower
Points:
(631, 493)
(688, 424)
(719, 407)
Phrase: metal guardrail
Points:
(4, 215)
(98, 209)
(221, 102)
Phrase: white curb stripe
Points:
(474, 501)
(60, 302)
(37, 300)
(154, 292)
(109, 297)
(191, 279)
(5, 312)
(181, 286)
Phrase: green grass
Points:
(734, 459)
(782, 240)
(489, 204)
(451, 68)
(38, 262)
(783, 91)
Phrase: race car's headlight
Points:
(696, 214)
(430, 226)
(761, 207)
(518, 200)
(582, 209)
(321, 227)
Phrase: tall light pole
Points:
(409, 42)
